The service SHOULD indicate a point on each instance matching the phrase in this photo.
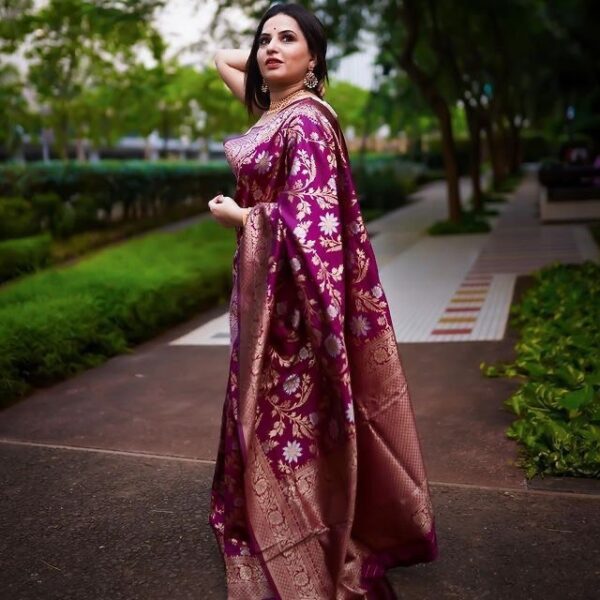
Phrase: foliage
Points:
(80, 244)
(65, 198)
(23, 255)
(60, 321)
(14, 116)
(557, 359)
(370, 214)
(509, 184)
(384, 182)
(349, 102)
(77, 44)
(433, 159)
(470, 223)
(17, 218)
(493, 198)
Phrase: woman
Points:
(319, 485)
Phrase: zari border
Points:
(296, 563)
(255, 310)
(246, 579)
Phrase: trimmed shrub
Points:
(98, 194)
(17, 218)
(60, 321)
(23, 255)
(383, 183)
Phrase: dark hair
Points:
(313, 31)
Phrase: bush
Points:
(471, 222)
(535, 146)
(93, 195)
(509, 184)
(434, 158)
(23, 255)
(558, 405)
(384, 182)
(60, 321)
(17, 218)
(493, 198)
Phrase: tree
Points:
(78, 44)
(14, 112)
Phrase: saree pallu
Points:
(319, 485)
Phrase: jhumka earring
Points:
(310, 79)
(264, 87)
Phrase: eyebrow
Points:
(284, 31)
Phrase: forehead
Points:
(279, 22)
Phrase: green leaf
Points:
(578, 398)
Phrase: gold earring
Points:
(310, 79)
(264, 87)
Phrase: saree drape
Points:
(319, 485)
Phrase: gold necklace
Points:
(277, 106)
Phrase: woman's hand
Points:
(226, 211)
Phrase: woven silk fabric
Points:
(319, 485)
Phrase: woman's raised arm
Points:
(231, 65)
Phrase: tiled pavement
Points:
(454, 288)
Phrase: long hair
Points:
(313, 31)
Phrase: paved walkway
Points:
(453, 288)
(105, 478)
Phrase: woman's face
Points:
(282, 42)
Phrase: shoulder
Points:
(312, 118)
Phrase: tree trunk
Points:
(80, 145)
(63, 135)
(409, 15)
(450, 161)
(515, 156)
(475, 158)
(495, 153)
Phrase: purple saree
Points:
(319, 485)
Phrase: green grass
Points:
(79, 244)
(557, 360)
(63, 320)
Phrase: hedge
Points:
(68, 197)
(24, 255)
(59, 321)
(384, 182)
